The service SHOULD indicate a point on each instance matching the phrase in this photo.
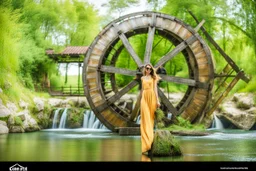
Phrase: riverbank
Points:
(236, 112)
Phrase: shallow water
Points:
(103, 145)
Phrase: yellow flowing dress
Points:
(148, 106)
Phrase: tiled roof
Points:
(74, 50)
(69, 50)
(49, 51)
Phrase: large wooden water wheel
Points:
(114, 61)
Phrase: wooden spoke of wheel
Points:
(128, 46)
(136, 109)
(184, 81)
(117, 95)
(149, 45)
(178, 80)
(176, 50)
(111, 69)
(166, 102)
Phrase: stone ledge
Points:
(190, 133)
(129, 131)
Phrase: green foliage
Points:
(17, 121)
(75, 117)
(15, 92)
(86, 25)
(159, 115)
(184, 124)
(47, 109)
(42, 94)
(244, 87)
(43, 123)
(56, 81)
(9, 47)
(5, 119)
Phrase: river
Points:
(104, 145)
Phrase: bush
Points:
(17, 121)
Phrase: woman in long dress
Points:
(148, 105)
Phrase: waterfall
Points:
(55, 118)
(63, 119)
(138, 120)
(91, 121)
(217, 123)
(96, 124)
(86, 119)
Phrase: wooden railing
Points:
(66, 91)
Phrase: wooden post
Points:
(78, 81)
(66, 73)
(218, 48)
(225, 93)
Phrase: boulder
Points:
(30, 124)
(243, 100)
(23, 104)
(4, 111)
(3, 128)
(39, 104)
(3, 123)
(243, 121)
(16, 129)
(12, 107)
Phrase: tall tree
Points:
(87, 25)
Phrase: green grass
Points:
(184, 124)
(72, 80)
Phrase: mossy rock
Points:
(164, 144)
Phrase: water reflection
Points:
(95, 145)
(145, 158)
